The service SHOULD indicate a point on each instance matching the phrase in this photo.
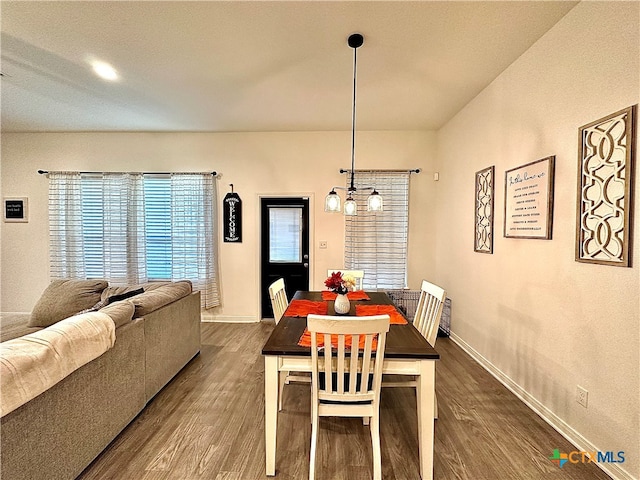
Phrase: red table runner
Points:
(302, 308)
(395, 318)
(355, 295)
(305, 341)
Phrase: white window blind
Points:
(130, 228)
(112, 228)
(376, 242)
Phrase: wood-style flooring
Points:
(208, 423)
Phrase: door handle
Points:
(305, 256)
(305, 265)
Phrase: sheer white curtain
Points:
(376, 242)
(193, 219)
(130, 228)
(65, 226)
(96, 225)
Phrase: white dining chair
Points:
(345, 382)
(357, 274)
(279, 303)
(429, 311)
(427, 321)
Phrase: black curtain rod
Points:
(415, 170)
(44, 172)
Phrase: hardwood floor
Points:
(208, 423)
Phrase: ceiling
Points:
(256, 66)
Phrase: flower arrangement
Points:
(340, 283)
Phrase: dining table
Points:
(407, 352)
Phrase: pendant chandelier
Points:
(333, 202)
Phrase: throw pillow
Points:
(164, 294)
(120, 312)
(64, 298)
(105, 299)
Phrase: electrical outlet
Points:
(323, 244)
(582, 396)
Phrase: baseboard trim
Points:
(563, 428)
(212, 318)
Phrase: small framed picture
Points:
(16, 209)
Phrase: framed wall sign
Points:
(485, 186)
(528, 200)
(605, 188)
(16, 209)
(232, 218)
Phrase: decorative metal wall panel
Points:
(605, 183)
(484, 210)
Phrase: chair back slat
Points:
(353, 365)
(366, 363)
(340, 369)
(328, 359)
(279, 301)
(429, 311)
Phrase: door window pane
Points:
(285, 235)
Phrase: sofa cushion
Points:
(64, 298)
(14, 325)
(158, 295)
(34, 363)
(120, 312)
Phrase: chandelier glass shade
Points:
(375, 202)
(350, 206)
(332, 201)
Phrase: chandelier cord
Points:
(353, 119)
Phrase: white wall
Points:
(542, 321)
(256, 163)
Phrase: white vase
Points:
(341, 305)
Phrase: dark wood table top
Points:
(403, 341)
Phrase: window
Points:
(130, 228)
(285, 235)
(157, 219)
(376, 242)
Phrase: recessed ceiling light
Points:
(104, 70)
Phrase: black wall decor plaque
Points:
(232, 218)
(16, 209)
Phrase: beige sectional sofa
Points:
(57, 434)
